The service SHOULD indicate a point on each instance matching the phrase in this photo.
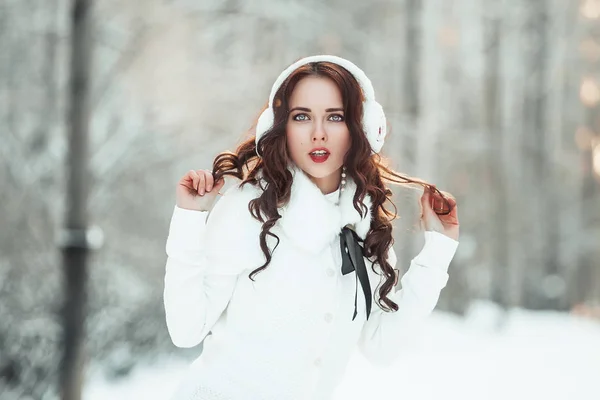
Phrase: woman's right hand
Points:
(196, 190)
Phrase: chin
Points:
(319, 171)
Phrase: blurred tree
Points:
(75, 238)
(588, 264)
(410, 99)
(496, 198)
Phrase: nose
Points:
(318, 133)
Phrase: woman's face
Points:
(317, 135)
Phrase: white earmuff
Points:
(373, 118)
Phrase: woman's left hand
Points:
(430, 221)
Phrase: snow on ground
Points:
(531, 355)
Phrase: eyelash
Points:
(332, 115)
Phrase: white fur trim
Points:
(311, 221)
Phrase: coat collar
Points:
(312, 221)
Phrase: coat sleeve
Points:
(200, 277)
(382, 335)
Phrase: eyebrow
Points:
(309, 110)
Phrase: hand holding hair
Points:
(435, 215)
(197, 190)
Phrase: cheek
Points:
(295, 139)
(345, 140)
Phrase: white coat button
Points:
(318, 362)
(328, 317)
(330, 272)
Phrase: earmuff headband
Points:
(374, 123)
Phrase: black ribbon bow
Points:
(352, 260)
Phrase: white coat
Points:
(289, 334)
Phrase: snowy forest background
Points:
(497, 102)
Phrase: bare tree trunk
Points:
(534, 154)
(547, 209)
(560, 124)
(513, 89)
(571, 116)
(497, 201)
(410, 101)
(74, 241)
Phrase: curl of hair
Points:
(270, 173)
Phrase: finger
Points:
(452, 202)
(428, 215)
(201, 184)
(440, 202)
(194, 177)
(426, 199)
(209, 180)
(453, 216)
(437, 202)
(426, 210)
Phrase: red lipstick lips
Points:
(319, 154)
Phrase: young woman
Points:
(294, 267)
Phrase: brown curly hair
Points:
(367, 170)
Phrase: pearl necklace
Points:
(342, 185)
